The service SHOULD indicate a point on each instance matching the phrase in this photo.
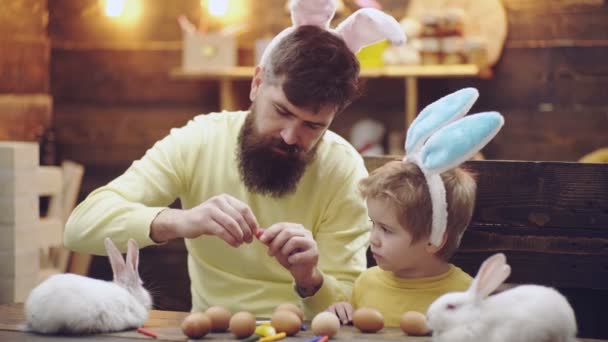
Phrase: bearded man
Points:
(275, 170)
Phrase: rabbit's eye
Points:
(450, 306)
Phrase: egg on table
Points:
(325, 324)
(220, 318)
(242, 324)
(291, 307)
(286, 321)
(368, 320)
(414, 323)
(196, 325)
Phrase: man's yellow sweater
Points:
(197, 162)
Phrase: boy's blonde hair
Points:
(404, 185)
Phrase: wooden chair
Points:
(31, 246)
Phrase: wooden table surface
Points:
(166, 325)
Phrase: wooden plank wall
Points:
(551, 83)
(25, 105)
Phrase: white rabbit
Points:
(73, 304)
(524, 313)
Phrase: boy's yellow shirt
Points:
(393, 296)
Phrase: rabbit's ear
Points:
(367, 26)
(116, 260)
(457, 142)
(438, 114)
(493, 272)
(132, 255)
(312, 12)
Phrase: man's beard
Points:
(262, 169)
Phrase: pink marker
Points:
(259, 233)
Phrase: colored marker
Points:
(273, 337)
(315, 339)
(147, 332)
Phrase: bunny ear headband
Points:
(439, 139)
(364, 27)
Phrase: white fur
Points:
(364, 27)
(524, 313)
(73, 304)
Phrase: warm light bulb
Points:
(218, 8)
(114, 8)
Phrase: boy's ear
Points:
(432, 249)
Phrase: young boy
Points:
(411, 272)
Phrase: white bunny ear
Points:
(132, 255)
(303, 12)
(367, 26)
(493, 272)
(438, 114)
(457, 142)
(116, 260)
(312, 12)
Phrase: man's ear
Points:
(432, 249)
(256, 82)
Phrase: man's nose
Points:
(290, 135)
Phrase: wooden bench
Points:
(550, 219)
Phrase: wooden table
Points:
(409, 73)
(166, 325)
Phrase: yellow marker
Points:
(273, 337)
(265, 330)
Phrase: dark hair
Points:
(316, 67)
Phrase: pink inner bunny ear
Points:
(116, 260)
(493, 272)
(368, 26)
(312, 12)
(132, 255)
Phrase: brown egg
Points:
(368, 320)
(220, 318)
(286, 321)
(242, 324)
(325, 324)
(291, 307)
(414, 323)
(196, 325)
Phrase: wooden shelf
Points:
(409, 73)
(245, 72)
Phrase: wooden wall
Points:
(114, 98)
(25, 105)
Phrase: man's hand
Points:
(223, 216)
(344, 311)
(295, 249)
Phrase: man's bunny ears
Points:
(364, 27)
(439, 139)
